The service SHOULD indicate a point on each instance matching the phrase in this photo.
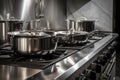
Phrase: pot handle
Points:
(83, 18)
(56, 44)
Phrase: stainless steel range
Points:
(91, 60)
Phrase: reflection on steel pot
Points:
(29, 43)
(3, 31)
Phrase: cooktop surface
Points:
(44, 59)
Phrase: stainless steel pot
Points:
(61, 35)
(7, 26)
(11, 36)
(15, 25)
(3, 32)
(29, 43)
(70, 24)
(86, 25)
(70, 37)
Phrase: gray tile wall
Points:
(100, 10)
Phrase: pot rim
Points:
(28, 34)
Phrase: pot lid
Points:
(28, 34)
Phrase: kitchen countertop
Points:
(16, 73)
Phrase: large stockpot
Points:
(29, 43)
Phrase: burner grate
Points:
(8, 57)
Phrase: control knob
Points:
(82, 77)
(108, 54)
(95, 67)
(90, 74)
(111, 49)
(102, 59)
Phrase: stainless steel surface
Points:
(33, 42)
(23, 9)
(3, 31)
(32, 33)
(74, 63)
(92, 53)
(16, 73)
(55, 13)
(40, 5)
(92, 9)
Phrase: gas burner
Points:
(39, 61)
(42, 54)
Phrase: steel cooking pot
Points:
(61, 35)
(3, 32)
(29, 43)
(68, 37)
(15, 25)
(11, 36)
(87, 25)
(7, 26)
